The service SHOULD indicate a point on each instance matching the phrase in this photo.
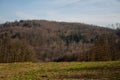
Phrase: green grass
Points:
(59, 71)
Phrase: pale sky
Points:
(97, 12)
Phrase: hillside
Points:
(42, 40)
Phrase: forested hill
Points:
(42, 40)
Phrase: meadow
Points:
(109, 70)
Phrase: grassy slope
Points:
(62, 70)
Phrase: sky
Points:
(97, 12)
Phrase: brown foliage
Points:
(57, 41)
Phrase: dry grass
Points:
(61, 71)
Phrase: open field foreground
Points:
(61, 71)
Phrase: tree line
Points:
(52, 41)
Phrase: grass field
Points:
(61, 71)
